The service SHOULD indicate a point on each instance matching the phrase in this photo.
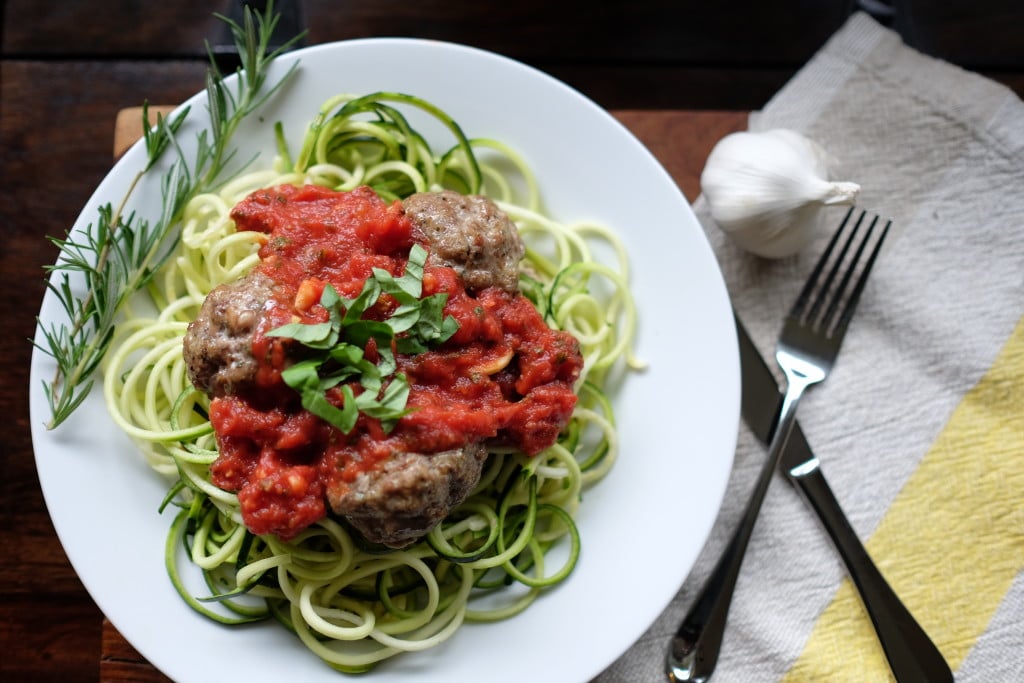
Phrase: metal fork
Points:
(806, 351)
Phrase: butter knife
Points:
(911, 654)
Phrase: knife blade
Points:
(760, 401)
(911, 654)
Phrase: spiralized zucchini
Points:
(354, 606)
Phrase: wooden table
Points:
(65, 76)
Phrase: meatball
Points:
(218, 344)
(471, 235)
(408, 494)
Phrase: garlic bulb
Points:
(767, 190)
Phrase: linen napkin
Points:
(920, 426)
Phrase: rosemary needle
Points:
(119, 253)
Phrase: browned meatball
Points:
(409, 494)
(471, 235)
(218, 343)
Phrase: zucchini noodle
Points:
(514, 537)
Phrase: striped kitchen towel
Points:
(920, 427)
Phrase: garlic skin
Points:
(767, 190)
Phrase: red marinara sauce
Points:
(503, 377)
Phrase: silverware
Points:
(911, 653)
(811, 337)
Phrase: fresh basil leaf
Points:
(330, 299)
(305, 379)
(343, 418)
(316, 335)
(410, 346)
(355, 308)
(404, 317)
(390, 407)
(448, 329)
(310, 335)
(340, 344)
(411, 281)
(346, 354)
(333, 379)
(414, 267)
(360, 332)
(397, 392)
(432, 318)
(303, 375)
(387, 364)
(433, 327)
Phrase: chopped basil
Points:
(338, 346)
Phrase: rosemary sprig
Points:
(119, 253)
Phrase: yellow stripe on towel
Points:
(952, 542)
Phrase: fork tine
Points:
(819, 291)
(837, 264)
(800, 310)
(854, 298)
(837, 296)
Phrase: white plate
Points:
(642, 527)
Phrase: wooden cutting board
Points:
(128, 126)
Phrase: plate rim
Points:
(135, 150)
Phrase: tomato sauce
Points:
(503, 377)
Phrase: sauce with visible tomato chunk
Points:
(503, 377)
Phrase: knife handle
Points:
(911, 654)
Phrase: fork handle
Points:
(911, 653)
(693, 652)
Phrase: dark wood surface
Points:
(679, 74)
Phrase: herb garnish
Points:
(120, 252)
(337, 346)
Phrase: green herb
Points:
(417, 324)
(119, 253)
